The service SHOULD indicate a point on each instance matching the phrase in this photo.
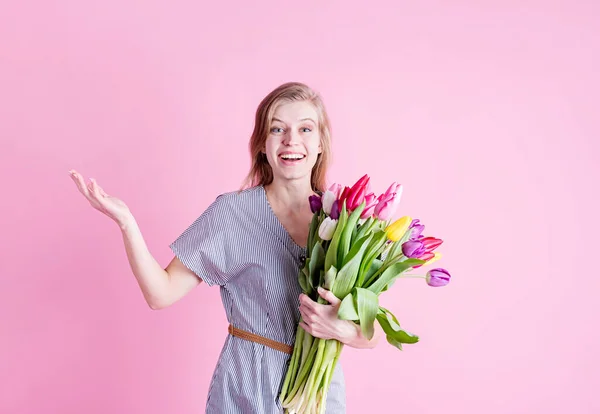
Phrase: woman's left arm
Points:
(321, 321)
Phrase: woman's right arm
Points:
(160, 287)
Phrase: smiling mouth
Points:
(292, 157)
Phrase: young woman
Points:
(251, 243)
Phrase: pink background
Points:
(488, 114)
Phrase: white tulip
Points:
(327, 228)
(328, 199)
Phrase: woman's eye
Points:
(276, 129)
(306, 129)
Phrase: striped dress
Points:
(239, 244)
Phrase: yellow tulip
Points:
(396, 230)
(435, 258)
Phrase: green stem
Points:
(303, 373)
(328, 376)
(300, 399)
(319, 370)
(293, 367)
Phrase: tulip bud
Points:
(335, 210)
(415, 232)
(388, 202)
(343, 196)
(437, 277)
(371, 202)
(429, 258)
(327, 228)
(336, 189)
(315, 203)
(431, 243)
(396, 230)
(327, 200)
(356, 194)
(413, 249)
(436, 256)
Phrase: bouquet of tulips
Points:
(356, 252)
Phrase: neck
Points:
(291, 194)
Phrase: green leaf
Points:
(389, 285)
(331, 259)
(347, 310)
(315, 264)
(364, 228)
(303, 280)
(392, 329)
(312, 231)
(394, 251)
(375, 266)
(349, 227)
(354, 234)
(391, 273)
(393, 321)
(346, 277)
(368, 306)
(330, 276)
(393, 342)
(373, 251)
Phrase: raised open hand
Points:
(113, 207)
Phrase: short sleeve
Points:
(203, 247)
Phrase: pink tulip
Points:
(387, 203)
(336, 189)
(371, 202)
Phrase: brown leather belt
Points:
(260, 340)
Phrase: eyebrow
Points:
(303, 119)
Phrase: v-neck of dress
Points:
(277, 223)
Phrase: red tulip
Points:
(356, 195)
(431, 243)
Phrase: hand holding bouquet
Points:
(356, 252)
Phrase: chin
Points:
(294, 175)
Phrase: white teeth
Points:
(292, 156)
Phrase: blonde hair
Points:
(261, 172)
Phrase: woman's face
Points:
(294, 141)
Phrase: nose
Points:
(291, 137)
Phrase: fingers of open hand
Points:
(80, 183)
(94, 189)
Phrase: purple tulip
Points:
(335, 210)
(315, 203)
(437, 277)
(415, 232)
(413, 249)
